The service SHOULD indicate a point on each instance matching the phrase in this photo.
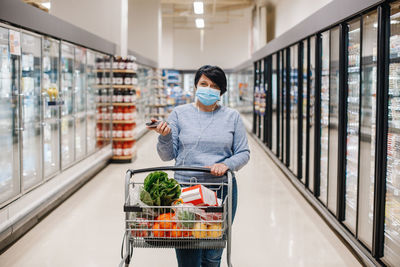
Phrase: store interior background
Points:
(146, 27)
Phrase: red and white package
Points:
(199, 195)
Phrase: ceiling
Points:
(181, 14)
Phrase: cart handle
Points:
(173, 168)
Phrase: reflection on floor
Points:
(274, 225)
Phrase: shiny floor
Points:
(274, 225)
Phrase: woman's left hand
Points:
(218, 169)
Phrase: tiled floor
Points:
(274, 225)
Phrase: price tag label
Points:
(15, 43)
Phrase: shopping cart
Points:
(182, 226)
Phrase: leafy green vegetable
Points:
(159, 190)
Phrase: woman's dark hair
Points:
(215, 74)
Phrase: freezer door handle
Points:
(22, 102)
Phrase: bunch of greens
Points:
(159, 190)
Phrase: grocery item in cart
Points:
(159, 190)
(199, 195)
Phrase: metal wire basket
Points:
(180, 225)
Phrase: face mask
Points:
(207, 96)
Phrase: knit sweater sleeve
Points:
(240, 148)
(167, 146)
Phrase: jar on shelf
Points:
(114, 131)
(119, 79)
(99, 63)
(115, 96)
(98, 77)
(115, 114)
(128, 96)
(99, 130)
(120, 114)
(126, 151)
(119, 131)
(117, 147)
(119, 96)
(128, 78)
(122, 64)
(127, 115)
(115, 62)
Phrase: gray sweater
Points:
(204, 138)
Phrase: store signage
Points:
(15, 43)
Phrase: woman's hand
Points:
(218, 169)
(161, 128)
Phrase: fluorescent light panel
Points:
(198, 7)
(200, 23)
(46, 5)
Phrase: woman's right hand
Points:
(161, 128)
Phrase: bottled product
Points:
(114, 131)
(120, 115)
(116, 62)
(122, 64)
(127, 114)
(99, 63)
(117, 148)
(119, 80)
(115, 114)
(128, 96)
(98, 77)
(119, 96)
(126, 148)
(115, 95)
(119, 131)
(106, 131)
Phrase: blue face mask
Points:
(207, 96)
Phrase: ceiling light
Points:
(200, 23)
(198, 7)
(46, 5)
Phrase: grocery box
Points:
(199, 195)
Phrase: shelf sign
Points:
(15, 43)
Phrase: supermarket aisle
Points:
(274, 225)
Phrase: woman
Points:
(204, 134)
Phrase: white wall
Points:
(288, 13)
(100, 17)
(225, 45)
(144, 21)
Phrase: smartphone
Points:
(153, 124)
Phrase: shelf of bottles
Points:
(157, 106)
(124, 84)
(392, 222)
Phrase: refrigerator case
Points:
(51, 107)
(324, 118)
(9, 128)
(80, 102)
(304, 107)
(293, 109)
(368, 128)
(91, 101)
(30, 92)
(311, 118)
(392, 212)
(66, 93)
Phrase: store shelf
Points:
(102, 86)
(123, 71)
(120, 139)
(158, 115)
(158, 105)
(124, 86)
(102, 70)
(123, 157)
(124, 104)
(103, 104)
(116, 122)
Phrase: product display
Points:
(123, 117)
(157, 101)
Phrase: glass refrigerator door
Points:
(51, 125)
(324, 118)
(67, 119)
(311, 118)
(353, 113)
(293, 109)
(284, 106)
(368, 128)
(80, 102)
(304, 106)
(9, 83)
(274, 88)
(392, 221)
(333, 120)
(31, 113)
(91, 102)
